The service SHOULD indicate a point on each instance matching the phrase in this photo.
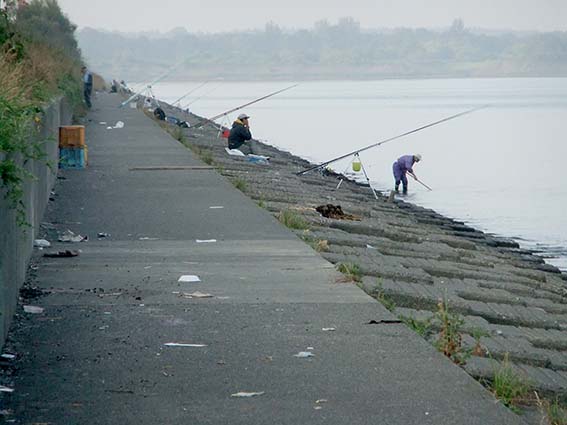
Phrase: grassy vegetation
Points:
(553, 412)
(39, 59)
(450, 336)
(293, 220)
(239, 184)
(509, 386)
(351, 271)
(384, 299)
(420, 326)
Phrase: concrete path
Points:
(97, 354)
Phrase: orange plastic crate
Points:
(72, 136)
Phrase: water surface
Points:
(499, 169)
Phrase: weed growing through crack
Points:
(420, 326)
(509, 386)
(477, 334)
(384, 299)
(553, 412)
(293, 220)
(207, 157)
(351, 271)
(239, 184)
(322, 246)
(450, 336)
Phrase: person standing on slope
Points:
(404, 165)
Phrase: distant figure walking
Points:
(239, 134)
(87, 85)
(404, 165)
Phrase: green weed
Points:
(351, 271)
(509, 386)
(450, 337)
(239, 184)
(293, 220)
(384, 299)
(420, 326)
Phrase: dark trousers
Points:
(87, 94)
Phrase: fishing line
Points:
(324, 164)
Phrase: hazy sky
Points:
(226, 15)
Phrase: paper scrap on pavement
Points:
(328, 329)
(8, 356)
(145, 238)
(33, 309)
(205, 240)
(247, 394)
(69, 236)
(119, 124)
(304, 354)
(4, 389)
(197, 295)
(216, 207)
(181, 344)
(189, 278)
(41, 243)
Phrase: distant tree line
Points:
(341, 50)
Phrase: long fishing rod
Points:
(244, 106)
(420, 182)
(324, 164)
(202, 96)
(149, 86)
(204, 83)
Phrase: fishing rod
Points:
(420, 182)
(149, 86)
(324, 164)
(244, 106)
(204, 83)
(202, 96)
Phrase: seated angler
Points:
(240, 134)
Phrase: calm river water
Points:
(500, 169)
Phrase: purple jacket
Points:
(405, 163)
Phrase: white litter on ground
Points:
(41, 243)
(205, 240)
(189, 278)
(4, 389)
(216, 207)
(247, 394)
(33, 309)
(234, 152)
(197, 295)
(181, 344)
(304, 354)
(328, 329)
(119, 124)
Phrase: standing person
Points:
(239, 134)
(87, 85)
(404, 165)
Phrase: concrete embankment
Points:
(16, 241)
(513, 305)
(100, 352)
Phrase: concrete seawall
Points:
(16, 243)
(513, 305)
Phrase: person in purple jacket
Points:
(404, 165)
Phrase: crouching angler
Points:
(240, 136)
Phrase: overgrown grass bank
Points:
(39, 59)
